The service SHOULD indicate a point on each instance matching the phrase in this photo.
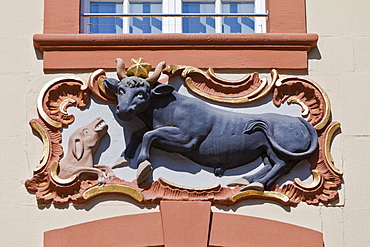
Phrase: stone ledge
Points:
(286, 51)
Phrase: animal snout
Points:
(129, 110)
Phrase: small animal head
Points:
(87, 138)
(134, 94)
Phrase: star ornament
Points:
(139, 68)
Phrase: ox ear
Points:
(111, 84)
(78, 149)
(162, 90)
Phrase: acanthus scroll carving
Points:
(57, 95)
(212, 87)
(306, 93)
(61, 93)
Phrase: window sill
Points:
(284, 51)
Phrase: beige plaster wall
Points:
(340, 65)
(343, 70)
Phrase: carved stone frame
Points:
(57, 95)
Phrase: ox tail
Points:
(261, 125)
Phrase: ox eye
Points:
(121, 91)
(85, 132)
(140, 96)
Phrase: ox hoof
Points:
(254, 186)
(144, 170)
(101, 181)
(239, 181)
(121, 161)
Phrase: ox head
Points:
(134, 94)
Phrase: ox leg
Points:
(279, 173)
(171, 136)
(129, 152)
(248, 180)
(135, 140)
(168, 136)
(279, 169)
(261, 173)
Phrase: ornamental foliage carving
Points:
(89, 180)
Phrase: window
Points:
(173, 16)
(283, 46)
(105, 24)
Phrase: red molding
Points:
(261, 41)
(218, 51)
(285, 46)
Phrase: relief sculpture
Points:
(208, 136)
(78, 160)
(188, 130)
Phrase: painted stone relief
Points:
(225, 143)
(78, 160)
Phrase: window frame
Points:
(174, 24)
(284, 46)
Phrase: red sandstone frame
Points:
(60, 93)
(284, 46)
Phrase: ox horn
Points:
(120, 68)
(157, 73)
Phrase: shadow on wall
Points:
(314, 54)
(39, 54)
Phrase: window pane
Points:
(198, 24)
(238, 24)
(105, 24)
(145, 24)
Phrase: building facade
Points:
(338, 63)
